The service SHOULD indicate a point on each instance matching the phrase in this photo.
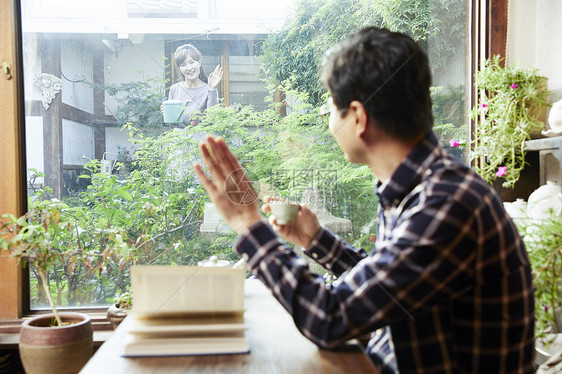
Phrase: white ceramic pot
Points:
(115, 315)
(544, 201)
(545, 350)
(516, 209)
(555, 117)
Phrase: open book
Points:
(186, 310)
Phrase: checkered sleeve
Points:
(314, 307)
(379, 289)
(331, 251)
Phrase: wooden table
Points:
(276, 347)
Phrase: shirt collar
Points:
(410, 171)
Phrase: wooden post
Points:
(99, 108)
(489, 38)
(497, 28)
(279, 98)
(50, 52)
(225, 63)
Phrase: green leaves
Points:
(35, 237)
(507, 112)
(124, 194)
(139, 103)
(152, 214)
(296, 51)
(543, 240)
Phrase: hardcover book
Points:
(186, 310)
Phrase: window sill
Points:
(9, 330)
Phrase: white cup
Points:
(285, 212)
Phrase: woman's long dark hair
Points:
(188, 49)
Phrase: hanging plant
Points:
(506, 113)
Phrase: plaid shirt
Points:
(447, 288)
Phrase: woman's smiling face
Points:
(190, 68)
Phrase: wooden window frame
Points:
(489, 36)
(12, 153)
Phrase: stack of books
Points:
(186, 310)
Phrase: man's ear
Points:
(361, 117)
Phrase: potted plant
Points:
(57, 342)
(119, 308)
(543, 239)
(506, 113)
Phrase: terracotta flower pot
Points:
(59, 349)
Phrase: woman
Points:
(196, 90)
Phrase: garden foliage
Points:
(297, 50)
(543, 239)
(151, 214)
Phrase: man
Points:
(447, 288)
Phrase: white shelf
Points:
(553, 144)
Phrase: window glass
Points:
(97, 74)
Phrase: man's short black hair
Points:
(389, 74)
